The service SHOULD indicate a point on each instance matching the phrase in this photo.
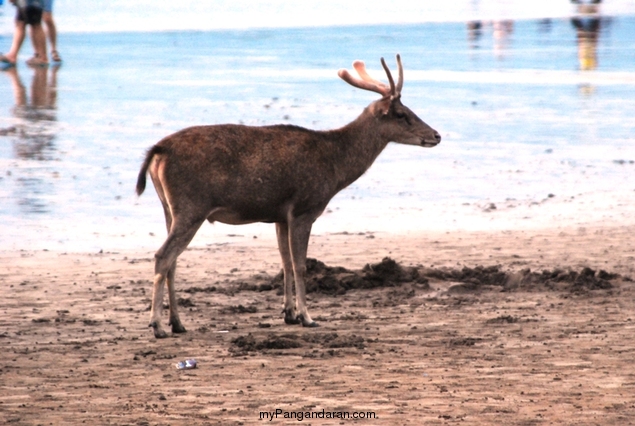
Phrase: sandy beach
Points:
(428, 347)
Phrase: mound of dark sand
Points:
(251, 343)
(503, 319)
(240, 309)
(336, 280)
(558, 279)
(321, 278)
(478, 276)
(388, 273)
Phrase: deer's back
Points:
(255, 169)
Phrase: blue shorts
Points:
(48, 6)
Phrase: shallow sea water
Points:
(522, 122)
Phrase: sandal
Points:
(6, 62)
(55, 56)
(36, 61)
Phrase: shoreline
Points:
(611, 248)
(429, 221)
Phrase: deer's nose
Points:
(437, 137)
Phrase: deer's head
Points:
(398, 123)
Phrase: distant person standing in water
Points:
(587, 23)
(29, 13)
(51, 30)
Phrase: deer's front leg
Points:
(299, 233)
(282, 232)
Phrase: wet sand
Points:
(433, 346)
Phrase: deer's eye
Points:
(402, 116)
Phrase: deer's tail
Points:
(141, 180)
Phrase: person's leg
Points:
(38, 38)
(33, 18)
(51, 31)
(18, 38)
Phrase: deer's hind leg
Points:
(180, 236)
(181, 229)
(175, 321)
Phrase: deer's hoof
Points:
(290, 318)
(311, 324)
(158, 332)
(177, 327)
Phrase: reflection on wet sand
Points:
(34, 138)
(586, 20)
(474, 33)
(587, 23)
(502, 31)
(33, 134)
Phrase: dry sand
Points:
(437, 349)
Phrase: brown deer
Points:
(280, 174)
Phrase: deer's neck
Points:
(357, 145)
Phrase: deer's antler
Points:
(400, 81)
(367, 82)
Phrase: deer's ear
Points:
(381, 108)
